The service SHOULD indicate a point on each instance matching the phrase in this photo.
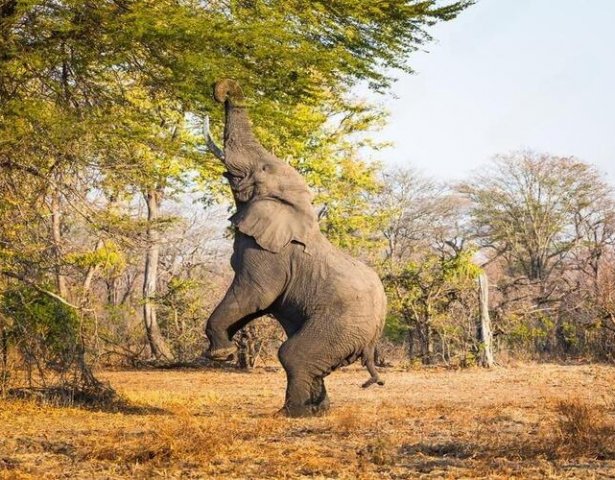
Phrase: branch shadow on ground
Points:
(514, 450)
(106, 400)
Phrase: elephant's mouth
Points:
(242, 186)
(245, 194)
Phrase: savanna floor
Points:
(531, 421)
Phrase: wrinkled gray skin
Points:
(331, 306)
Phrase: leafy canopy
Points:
(106, 90)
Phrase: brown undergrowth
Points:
(573, 429)
(528, 422)
(584, 430)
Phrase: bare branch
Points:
(211, 144)
(39, 288)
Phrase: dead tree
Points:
(484, 334)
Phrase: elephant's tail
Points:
(368, 362)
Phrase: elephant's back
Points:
(353, 273)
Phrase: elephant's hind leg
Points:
(305, 398)
(300, 383)
(319, 398)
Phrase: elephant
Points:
(331, 306)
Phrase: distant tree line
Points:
(542, 229)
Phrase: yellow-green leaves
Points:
(109, 258)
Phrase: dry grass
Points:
(584, 430)
(533, 421)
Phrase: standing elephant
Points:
(331, 306)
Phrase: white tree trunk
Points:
(485, 336)
(155, 341)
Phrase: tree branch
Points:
(211, 144)
(39, 288)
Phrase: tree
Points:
(483, 325)
(428, 269)
(422, 214)
(422, 295)
(548, 221)
(530, 208)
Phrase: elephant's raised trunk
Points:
(238, 135)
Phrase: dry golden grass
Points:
(532, 421)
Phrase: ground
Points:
(529, 421)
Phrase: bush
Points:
(46, 336)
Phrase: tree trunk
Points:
(379, 358)
(410, 338)
(426, 344)
(485, 337)
(112, 291)
(155, 341)
(248, 350)
(4, 360)
(89, 276)
(56, 237)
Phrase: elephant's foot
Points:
(305, 410)
(221, 354)
(322, 407)
(297, 411)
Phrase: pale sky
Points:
(506, 75)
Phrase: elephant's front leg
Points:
(224, 322)
(242, 303)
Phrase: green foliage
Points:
(109, 85)
(460, 267)
(181, 315)
(41, 324)
(395, 329)
(570, 334)
(109, 258)
(425, 296)
(102, 101)
(428, 284)
(528, 332)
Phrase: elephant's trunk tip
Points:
(228, 89)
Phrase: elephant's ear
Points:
(274, 223)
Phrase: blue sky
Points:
(506, 75)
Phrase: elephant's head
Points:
(273, 201)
